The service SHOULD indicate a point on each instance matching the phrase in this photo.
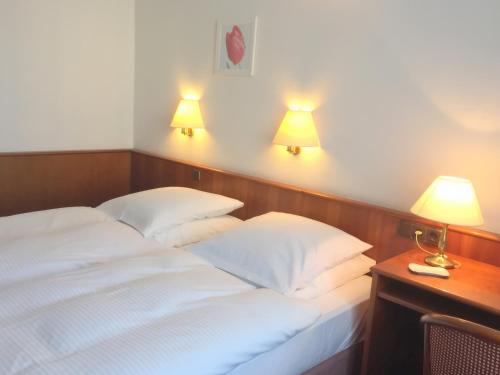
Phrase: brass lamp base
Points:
(440, 260)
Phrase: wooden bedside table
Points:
(394, 342)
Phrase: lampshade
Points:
(187, 115)
(450, 200)
(297, 129)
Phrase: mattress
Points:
(343, 313)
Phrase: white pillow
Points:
(337, 276)
(159, 209)
(280, 251)
(195, 231)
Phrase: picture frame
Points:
(235, 48)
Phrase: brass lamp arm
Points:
(418, 233)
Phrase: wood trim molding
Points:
(374, 224)
(62, 152)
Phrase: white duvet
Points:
(96, 298)
(28, 224)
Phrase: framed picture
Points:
(235, 48)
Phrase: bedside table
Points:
(394, 342)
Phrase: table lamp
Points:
(297, 130)
(188, 116)
(449, 200)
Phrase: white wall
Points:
(404, 91)
(66, 74)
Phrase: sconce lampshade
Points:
(297, 129)
(450, 200)
(188, 115)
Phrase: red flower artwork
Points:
(235, 45)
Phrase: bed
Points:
(84, 293)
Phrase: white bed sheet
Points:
(343, 314)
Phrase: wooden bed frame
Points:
(347, 362)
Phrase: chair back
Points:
(454, 346)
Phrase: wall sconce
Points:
(188, 116)
(297, 130)
(449, 200)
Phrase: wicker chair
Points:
(454, 346)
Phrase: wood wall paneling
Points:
(38, 181)
(375, 225)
